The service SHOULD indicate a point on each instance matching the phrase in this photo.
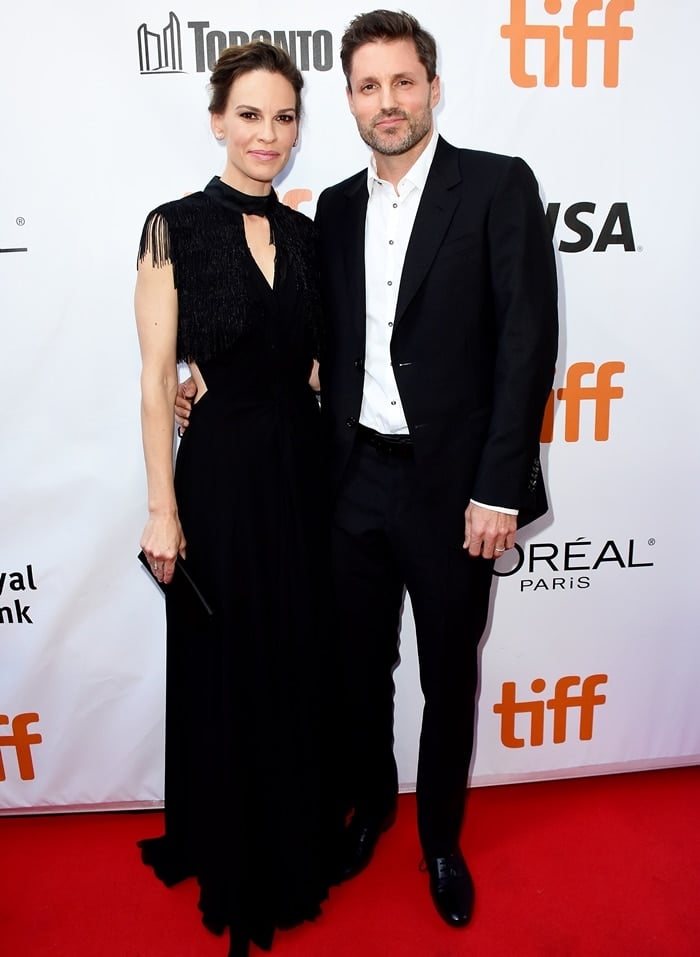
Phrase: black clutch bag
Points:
(180, 571)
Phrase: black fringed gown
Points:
(250, 803)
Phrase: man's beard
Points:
(392, 142)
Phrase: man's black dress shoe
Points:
(451, 888)
(359, 841)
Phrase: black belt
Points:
(400, 446)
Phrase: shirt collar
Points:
(417, 174)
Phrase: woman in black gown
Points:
(227, 283)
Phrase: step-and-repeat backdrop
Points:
(591, 659)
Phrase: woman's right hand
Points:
(162, 541)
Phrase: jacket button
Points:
(351, 422)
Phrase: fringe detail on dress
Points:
(155, 239)
(207, 248)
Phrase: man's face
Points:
(390, 96)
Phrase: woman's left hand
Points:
(162, 541)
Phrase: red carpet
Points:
(594, 866)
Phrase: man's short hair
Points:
(387, 25)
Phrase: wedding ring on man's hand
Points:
(499, 549)
(155, 566)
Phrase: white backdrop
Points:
(591, 659)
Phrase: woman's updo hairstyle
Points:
(237, 60)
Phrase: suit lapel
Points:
(435, 212)
(352, 231)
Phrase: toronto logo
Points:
(161, 52)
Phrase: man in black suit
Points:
(440, 290)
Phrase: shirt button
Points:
(395, 205)
(390, 283)
(393, 402)
(391, 242)
(391, 324)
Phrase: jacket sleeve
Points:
(524, 291)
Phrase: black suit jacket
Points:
(475, 333)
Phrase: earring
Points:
(219, 135)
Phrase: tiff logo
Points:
(601, 393)
(559, 704)
(21, 740)
(161, 53)
(581, 33)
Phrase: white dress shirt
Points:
(390, 217)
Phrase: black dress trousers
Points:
(391, 532)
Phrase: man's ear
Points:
(348, 93)
(435, 92)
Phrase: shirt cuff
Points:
(495, 508)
